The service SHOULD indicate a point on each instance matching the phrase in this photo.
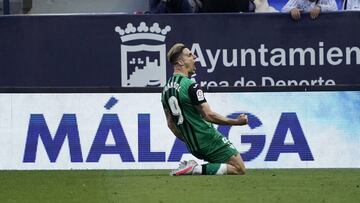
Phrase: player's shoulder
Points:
(193, 86)
(187, 82)
(196, 94)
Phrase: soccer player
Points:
(190, 118)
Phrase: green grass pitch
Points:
(268, 185)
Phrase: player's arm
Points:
(213, 117)
(172, 126)
(198, 100)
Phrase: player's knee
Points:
(238, 165)
(240, 168)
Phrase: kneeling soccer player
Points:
(190, 118)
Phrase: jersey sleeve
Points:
(196, 94)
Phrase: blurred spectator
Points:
(314, 7)
(175, 6)
(351, 5)
(263, 6)
(224, 6)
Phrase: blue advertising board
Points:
(263, 50)
(129, 130)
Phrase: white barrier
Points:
(298, 130)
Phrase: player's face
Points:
(188, 58)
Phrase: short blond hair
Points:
(175, 52)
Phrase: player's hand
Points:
(314, 13)
(243, 119)
(295, 13)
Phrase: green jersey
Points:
(179, 97)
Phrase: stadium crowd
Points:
(213, 6)
(295, 7)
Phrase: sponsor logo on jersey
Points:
(200, 95)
